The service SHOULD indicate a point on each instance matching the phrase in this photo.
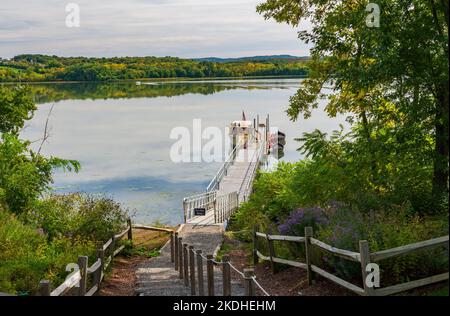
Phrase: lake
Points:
(120, 133)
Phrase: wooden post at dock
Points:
(192, 269)
(180, 257)
(201, 289)
(210, 275)
(186, 264)
(249, 286)
(226, 275)
(172, 247)
(176, 251)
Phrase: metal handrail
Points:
(224, 168)
(200, 200)
(230, 160)
(253, 167)
(198, 196)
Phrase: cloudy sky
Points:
(184, 28)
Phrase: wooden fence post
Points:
(365, 261)
(180, 257)
(308, 253)
(172, 247)
(201, 290)
(255, 247)
(176, 251)
(192, 269)
(112, 247)
(271, 250)
(101, 255)
(83, 266)
(186, 264)
(210, 275)
(248, 282)
(44, 288)
(130, 230)
(97, 278)
(226, 275)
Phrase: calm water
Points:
(120, 135)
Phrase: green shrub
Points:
(26, 256)
(55, 233)
(25, 175)
(79, 215)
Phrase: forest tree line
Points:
(52, 68)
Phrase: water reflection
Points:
(119, 132)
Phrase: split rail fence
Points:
(364, 257)
(87, 280)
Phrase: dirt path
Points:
(122, 280)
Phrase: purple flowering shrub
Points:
(297, 220)
(384, 231)
(345, 229)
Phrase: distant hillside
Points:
(53, 68)
(250, 59)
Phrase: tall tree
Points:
(403, 62)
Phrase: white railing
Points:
(247, 185)
(205, 200)
(225, 207)
(215, 182)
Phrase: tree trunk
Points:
(441, 154)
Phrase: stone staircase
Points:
(158, 277)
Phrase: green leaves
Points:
(24, 175)
(16, 107)
(392, 79)
(288, 11)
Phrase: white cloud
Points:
(185, 28)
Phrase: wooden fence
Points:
(190, 263)
(364, 257)
(77, 283)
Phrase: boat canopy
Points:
(245, 124)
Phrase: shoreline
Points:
(156, 80)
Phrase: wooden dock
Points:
(233, 182)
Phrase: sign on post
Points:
(200, 212)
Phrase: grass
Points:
(146, 243)
(439, 292)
